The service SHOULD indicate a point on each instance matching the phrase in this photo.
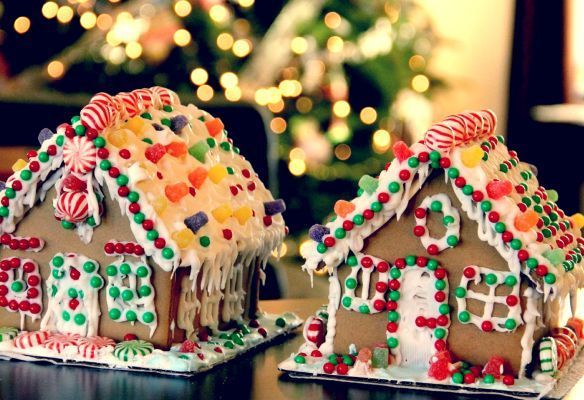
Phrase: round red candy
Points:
(400, 263)
(420, 212)
(444, 162)
(328, 368)
(368, 214)
(419, 230)
(391, 327)
(404, 174)
(440, 273)
(348, 225)
(424, 156)
(28, 267)
(511, 300)
(541, 270)
(469, 378)
(420, 321)
(125, 154)
(315, 353)
(382, 267)
(431, 322)
(433, 250)
(442, 320)
(329, 241)
(469, 272)
(421, 261)
(366, 262)
(391, 306)
(32, 293)
(440, 345)
(508, 380)
(342, 369)
(381, 287)
(383, 197)
(109, 248)
(379, 305)
(119, 248)
(24, 305)
(74, 274)
(159, 243)
(440, 296)
(130, 336)
(35, 308)
(487, 326)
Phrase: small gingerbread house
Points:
(138, 218)
(454, 247)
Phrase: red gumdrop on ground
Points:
(401, 151)
(496, 366)
(439, 369)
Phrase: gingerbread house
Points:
(138, 222)
(455, 256)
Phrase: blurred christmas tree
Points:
(341, 78)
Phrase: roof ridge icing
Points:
(514, 214)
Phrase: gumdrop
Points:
(439, 369)
(136, 125)
(18, 165)
(197, 177)
(45, 134)
(73, 184)
(472, 156)
(578, 220)
(176, 149)
(401, 151)
(159, 205)
(196, 221)
(496, 366)
(217, 173)
(199, 150)
(243, 214)
(222, 212)
(555, 257)
(178, 122)
(183, 238)
(368, 184)
(176, 191)
(188, 346)
(364, 355)
(526, 220)
(552, 195)
(215, 126)
(497, 189)
(118, 138)
(274, 207)
(343, 207)
(380, 357)
(316, 232)
(155, 152)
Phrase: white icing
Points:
(363, 299)
(452, 229)
(20, 276)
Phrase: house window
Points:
(438, 203)
(489, 299)
(20, 287)
(363, 269)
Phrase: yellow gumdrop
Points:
(243, 214)
(18, 165)
(183, 238)
(222, 212)
(159, 205)
(578, 220)
(217, 173)
(118, 138)
(472, 156)
(136, 125)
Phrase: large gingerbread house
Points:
(454, 256)
(139, 223)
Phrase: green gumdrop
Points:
(199, 150)
(380, 357)
(555, 256)
(368, 184)
(552, 195)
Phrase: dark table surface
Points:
(253, 376)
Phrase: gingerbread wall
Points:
(40, 222)
(396, 239)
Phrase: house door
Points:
(417, 299)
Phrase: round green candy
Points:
(359, 192)
(72, 293)
(376, 206)
(460, 292)
(43, 156)
(510, 280)
(358, 219)
(96, 282)
(491, 279)
(167, 253)
(394, 187)
(10, 193)
(394, 295)
(489, 379)
(142, 271)
(299, 359)
(457, 377)
(127, 295)
(167, 108)
(211, 142)
(395, 273)
(281, 322)
(148, 317)
(500, 227)
(439, 333)
(413, 162)
(531, 263)
(122, 180)
(444, 309)
(66, 316)
(452, 240)
(88, 267)
(351, 283)
(75, 119)
(436, 206)
(133, 196)
(139, 217)
(453, 173)
(125, 269)
(205, 241)
(333, 359)
(340, 233)
(467, 190)
(17, 286)
(67, 224)
(464, 317)
(393, 316)
(115, 314)
(440, 284)
(57, 274)
(434, 155)
(225, 146)
(348, 360)
(351, 261)
(114, 292)
(166, 121)
(515, 244)
(144, 291)
(80, 130)
(131, 315)
(105, 165)
(410, 260)
(153, 235)
(111, 270)
(4, 211)
(229, 344)
(321, 248)
(486, 206)
(510, 324)
(432, 265)
(364, 309)
(146, 115)
(79, 319)
(58, 261)
(447, 220)
(99, 142)
(392, 342)
(550, 278)
(346, 302)
(60, 140)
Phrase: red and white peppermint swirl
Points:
(166, 96)
(459, 129)
(145, 98)
(130, 102)
(79, 154)
(89, 347)
(26, 340)
(72, 206)
(59, 341)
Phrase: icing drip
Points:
(188, 307)
(530, 316)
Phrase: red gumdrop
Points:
(315, 353)
(401, 151)
(496, 366)
(497, 189)
(155, 152)
(508, 380)
(439, 369)
(188, 346)
(176, 149)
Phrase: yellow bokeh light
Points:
(224, 41)
(199, 76)
(182, 37)
(332, 20)
(50, 9)
(381, 138)
(205, 92)
(104, 22)
(22, 25)
(182, 8)
(233, 93)
(117, 55)
(304, 105)
(274, 95)
(242, 47)
(246, 3)
(112, 38)
(305, 247)
(133, 50)
(299, 45)
(55, 69)
(262, 96)
(219, 13)
(341, 108)
(420, 83)
(339, 132)
(228, 79)
(343, 152)
(276, 107)
(65, 14)
(297, 154)
(417, 62)
(278, 125)
(88, 20)
(368, 115)
(297, 167)
(335, 44)
(280, 252)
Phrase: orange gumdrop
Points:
(215, 126)
(343, 207)
(176, 192)
(176, 149)
(525, 221)
(197, 177)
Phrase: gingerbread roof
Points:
(513, 212)
(190, 197)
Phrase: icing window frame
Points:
(437, 203)
(365, 265)
(20, 288)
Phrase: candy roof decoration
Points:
(514, 213)
(190, 197)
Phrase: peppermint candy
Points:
(132, 349)
(90, 347)
(145, 98)
(130, 103)
(98, 114)
(72, 206)
(26, 340)
(8, 333)
(79, 155)
(59, 341)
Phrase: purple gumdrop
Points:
(196, 221)
(45, 134)
(274, 207)
(316, 232)
(2, 185)
(178, 122)
(158, 127)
